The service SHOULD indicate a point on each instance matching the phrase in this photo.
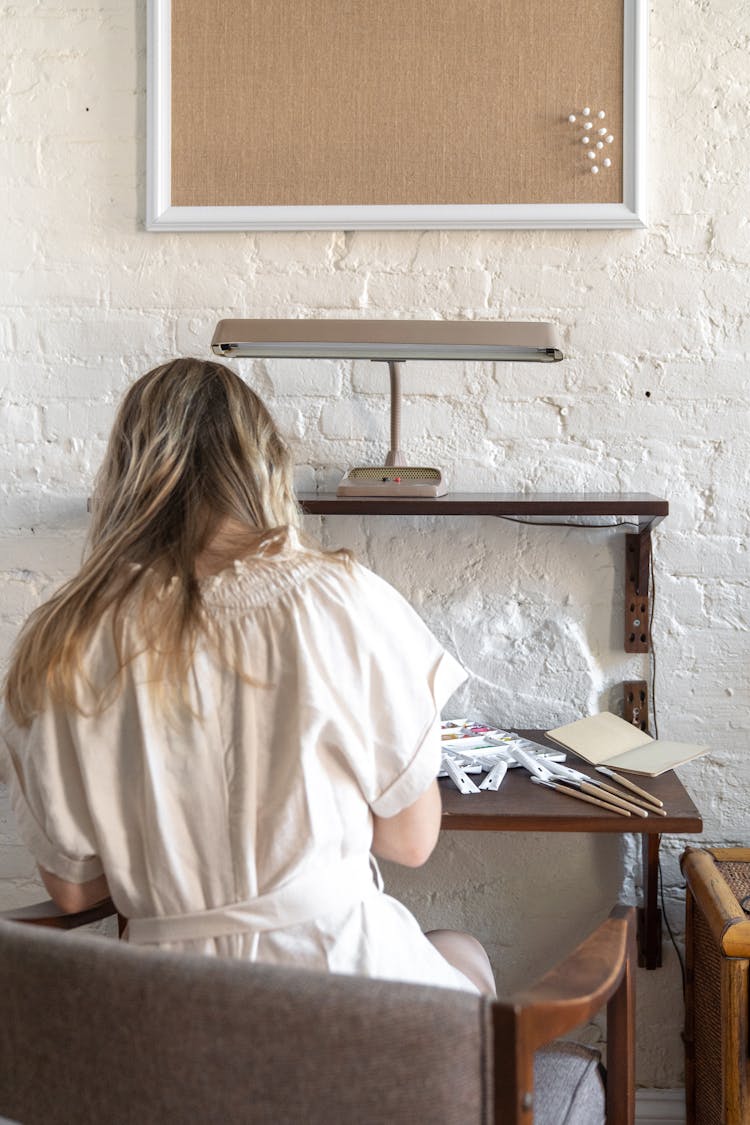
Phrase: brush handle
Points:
(641, 802)
(583, 797)
(628, 784)
(613, 799)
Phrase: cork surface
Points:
(311, 102)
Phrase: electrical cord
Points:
(534, 522)
(652, 686)
(652, 650)
(652, 699)
(669, 928)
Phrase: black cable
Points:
(652, 693)
(652, 650)
(652, 591)
(532, 521)
(669, 928)
(652, 663)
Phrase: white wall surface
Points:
(652, 397)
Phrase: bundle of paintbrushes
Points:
(625, 798)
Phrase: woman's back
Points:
(318, 707)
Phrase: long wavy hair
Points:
(192, 447)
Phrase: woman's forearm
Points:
(410, 836)
(72, 897)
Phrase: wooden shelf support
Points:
(637, 599)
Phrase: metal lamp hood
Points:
(509, 341)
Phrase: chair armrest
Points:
(47, 914)
(575, 990)
(727, 921)
(598, 972)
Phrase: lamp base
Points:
(392, 481)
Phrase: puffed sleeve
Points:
(397, 678)
(40, 766)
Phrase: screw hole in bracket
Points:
(636, 703)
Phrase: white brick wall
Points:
(88, 301)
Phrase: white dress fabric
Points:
(245, 829)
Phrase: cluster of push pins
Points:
(596, 135)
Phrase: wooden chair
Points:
(94, 1029)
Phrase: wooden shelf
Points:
(648, 510)
(639, 508)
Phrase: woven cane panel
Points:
(707, 1025)
(737, 877)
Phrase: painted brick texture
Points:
(652, 397)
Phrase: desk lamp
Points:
(392, 342)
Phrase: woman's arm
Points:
(410, 836)
(72, 897)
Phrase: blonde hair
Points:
(192, 446)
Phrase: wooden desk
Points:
(519, 806)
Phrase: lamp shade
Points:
(516, 341)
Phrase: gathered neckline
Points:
(257, 582)
(260, 577)
(280, 564)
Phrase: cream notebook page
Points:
(607, 740)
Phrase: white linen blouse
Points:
(244, 829)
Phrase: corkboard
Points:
(386, 102)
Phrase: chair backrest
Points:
(95, 1031)
(91, 1027)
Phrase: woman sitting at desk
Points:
(215, 723)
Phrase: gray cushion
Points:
(568, 1089)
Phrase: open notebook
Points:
(606, 740)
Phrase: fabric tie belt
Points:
(310, 895)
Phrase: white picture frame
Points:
(162, 215)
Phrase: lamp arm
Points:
(395, 456)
